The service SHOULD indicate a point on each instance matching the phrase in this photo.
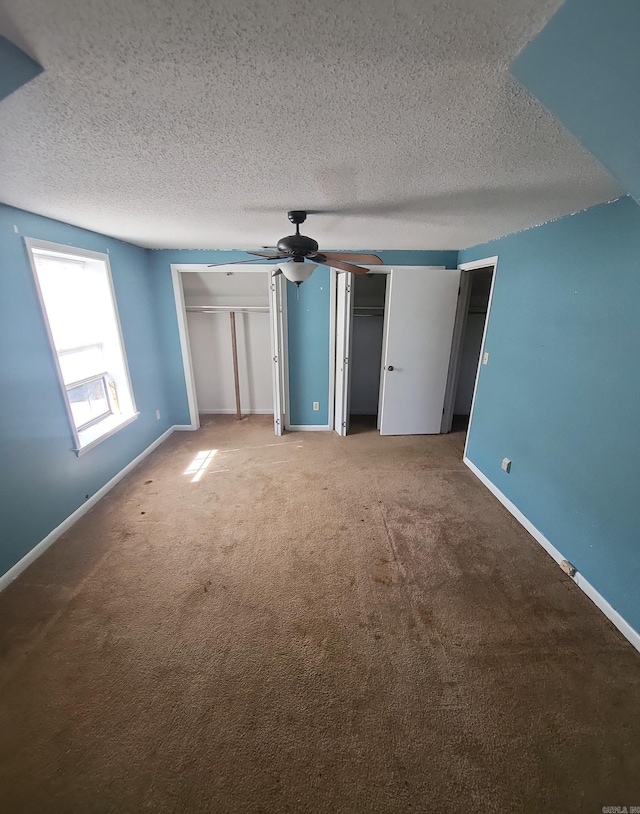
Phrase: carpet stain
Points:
(426, 616)
(383, 580)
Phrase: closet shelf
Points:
(214, 309)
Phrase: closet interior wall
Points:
(472, 340)
(246, 294)
(366, 343)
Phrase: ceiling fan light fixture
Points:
(297, 272)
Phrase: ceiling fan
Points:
(301, 256)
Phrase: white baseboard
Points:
(43, 545)
(184, 427)
(230, 411)
(308, 427)
(595, 596)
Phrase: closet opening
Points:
(232, 323)
(476, 287)
(361, 318)
(367, 336)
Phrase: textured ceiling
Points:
(198, 124)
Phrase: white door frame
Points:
(331, 404)
(183, 332)
(332, 367)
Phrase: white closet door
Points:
(344, 313)
(276, 314)
(421, 308)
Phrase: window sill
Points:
(92, 436)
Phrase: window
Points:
(79, 308)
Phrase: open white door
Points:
(278, 351)
(420, 314)
(344, 309)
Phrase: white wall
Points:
(210, 341)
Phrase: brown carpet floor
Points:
(316, 624)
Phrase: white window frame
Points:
(100, 430)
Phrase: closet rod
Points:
(213, 309)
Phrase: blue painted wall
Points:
(308, 320)
(42, 481)
(584, 66)
(16, 68)
(561, 393)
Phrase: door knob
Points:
(390, 367)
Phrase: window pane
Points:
(81, 363)
(74, 295)
(88, 402)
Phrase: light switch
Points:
(506, 464)
(485, 358)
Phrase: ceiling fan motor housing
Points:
(298, 245)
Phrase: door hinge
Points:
(344, 423)
(346, 360)
(275, 359)
(348, 289)
(277, 420)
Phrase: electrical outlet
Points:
(316, 405)
(506, 464)
(158, 415)
(485, 358)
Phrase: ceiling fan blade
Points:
(323, 260)
(351, 257)
(249, 260)
(276, 272)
